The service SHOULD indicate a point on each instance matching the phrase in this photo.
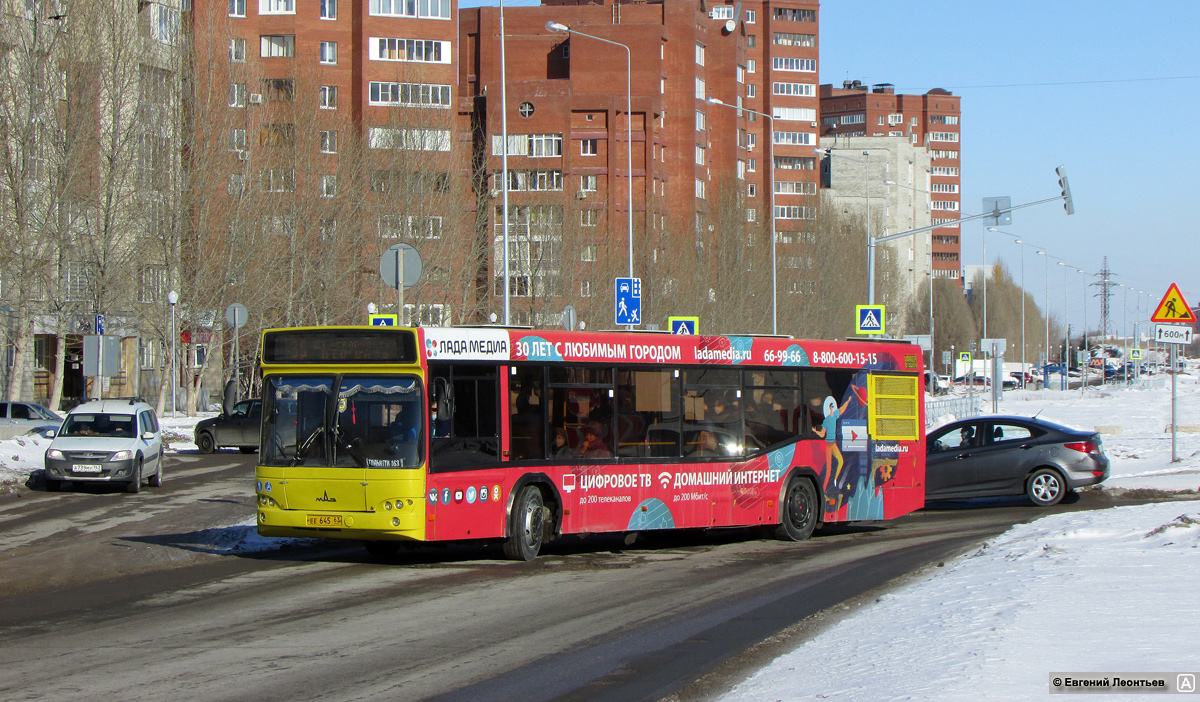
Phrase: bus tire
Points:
(528, 524)
(798, 510)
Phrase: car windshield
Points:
(116, 425)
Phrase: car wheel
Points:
(528, 522)
(798, 513)
(135, 486)
(205, 443)
(156, 480)
(1045, 487)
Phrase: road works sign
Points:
(1173, 309)
(869, 319)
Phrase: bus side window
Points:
(472, 437)
(527, 412)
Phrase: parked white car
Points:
(116, 441)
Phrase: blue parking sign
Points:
(629, 301)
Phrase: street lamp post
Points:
(172, 298)
(557, 27)
(774, 233)
(1023, 244)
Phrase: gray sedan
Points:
(1004, 455)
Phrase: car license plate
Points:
(86, 468)
(324, 520)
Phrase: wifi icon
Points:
(664, 478)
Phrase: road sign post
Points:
(628, 302)
(870, 319)
(684, 325)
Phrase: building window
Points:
(943, 188)
(329, 52)
(795, 187)
(787, 39)
(751, 90)
(944, 205)
(750, 15)
(795, 163)
(750, 65)
(328, 97)
(700, 88)
(409, 138)
(79, 282)
(783, 63)
(276, 7)
(699, 54)
(700, 155)
(943, 136)
(589, 147)
(426, 9)
(751, 190)
(238, 139)
(795, 89)
(411, 50)
(328, 9)
(278, 45)
(721, 12)
(237, 184)
(279, 89)
(940, 119)
(589, 218)
(795, 138)
(795, 212)
(152, 284)
(700, 188)
(237, 94)
(328, 186)
(588, 253)
(751, 41)
(409, 94)
(237, 8)
(588, 183)
(237, 50)
(147, 353)
(699, 121)
(585, 289)
(751, 164)
(278, 180)
(329, 143)
(328, 229)
(751, 214)
(795, 15)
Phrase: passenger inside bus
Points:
(707, 445)
(593, 445)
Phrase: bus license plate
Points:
(86, 468)
(324, 520)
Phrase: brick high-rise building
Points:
(930, 120)
(698, 167)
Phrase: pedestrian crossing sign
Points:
(870, 319)
(1173, 309)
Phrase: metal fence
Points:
(959, 407)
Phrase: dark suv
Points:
(239, 428)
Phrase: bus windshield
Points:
(348, 421)
(378, 422)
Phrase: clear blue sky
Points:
(1107, 89)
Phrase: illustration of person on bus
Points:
(828, 431)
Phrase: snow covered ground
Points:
(1104, 591)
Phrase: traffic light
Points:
(1068, 205)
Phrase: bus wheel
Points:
(528, 522)
(798, 513)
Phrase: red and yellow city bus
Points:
(394, 435)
